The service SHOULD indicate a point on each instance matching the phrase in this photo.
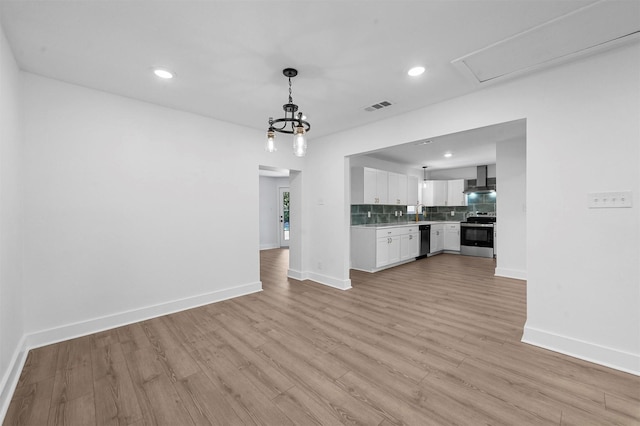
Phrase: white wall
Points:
(511, 226)
(11, 225)
(460, 173)
(389, 166)
(582, 135)
(132, 209)
(268, 210)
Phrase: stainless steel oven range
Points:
(476, 235)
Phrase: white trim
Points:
(320, 279)
(609, 357)
(516, 274)
(296, 275)
(95, 325)
(329, 281)
(382, 268)
(10, 380)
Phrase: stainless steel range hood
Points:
(479, 185)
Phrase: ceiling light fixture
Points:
(424, 176)
(163, 73)
(292, 123)
(416, 71)
(448, 155)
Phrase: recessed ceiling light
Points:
(448, 154)
(415, 71)
(163, 73)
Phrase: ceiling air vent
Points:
(378, 106)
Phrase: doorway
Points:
(280, 218)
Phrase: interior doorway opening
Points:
(280, 219)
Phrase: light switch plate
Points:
(609, 200)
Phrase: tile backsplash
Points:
(379, 214)
(387, 213)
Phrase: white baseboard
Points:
(329, 281)
(598, 354)
(95, 325)
(269, 246)
(11, 377)
(319, 278)
(296, 275)
(517, 274)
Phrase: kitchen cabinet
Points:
(410, 246)
(434, 193)
(387, 250)
(397, 189)
(455, 193)
(369, 186)
(374, 249)
(444, 193)
(412, 191)
(452, 237)
(437, 238)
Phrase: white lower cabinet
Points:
(409, 246)
(452, 236)
(374, 249)
(437, 238)
(387, 251)
(410, 243)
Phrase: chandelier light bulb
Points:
(270, 145)
(299, 142)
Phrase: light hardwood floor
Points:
(436, 341)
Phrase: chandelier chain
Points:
(290, 96)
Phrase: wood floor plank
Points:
(321, 386)
(435, 341)
(40, 365)
(115, 397)
(30, 404)
(246, 400)
(205, 403)
(262, 374)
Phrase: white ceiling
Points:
(228, 56)
(469, 148)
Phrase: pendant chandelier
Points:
(292, 123)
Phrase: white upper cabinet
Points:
(434, 193)
(369, 186)
(455, 193)
(373, 186)
(444, 193)
(397, 189)
(412, 191)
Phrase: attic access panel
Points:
(599, 25)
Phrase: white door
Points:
(283, 215)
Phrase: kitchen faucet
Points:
(418, 211)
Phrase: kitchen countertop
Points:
(397, 225)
